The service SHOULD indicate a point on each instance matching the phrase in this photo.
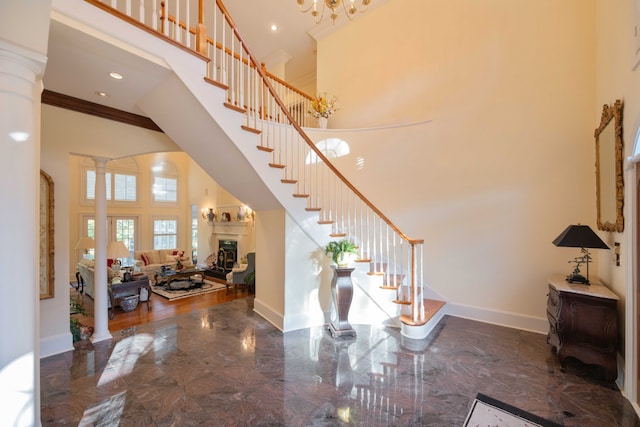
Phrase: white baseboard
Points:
(269, 314)
(56, 344)
(498, 317)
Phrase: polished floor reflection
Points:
(226, 366)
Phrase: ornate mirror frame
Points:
(47, 278)
(609, 173)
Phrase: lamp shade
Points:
(117, 250)
(85, 243)
(579, 236)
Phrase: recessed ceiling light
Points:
(116, 76)
(274, 27)
(102, 94)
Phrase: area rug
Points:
(207, 286)
(487, 411)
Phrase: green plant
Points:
(339, 248)
(250, 279)
(76, 307)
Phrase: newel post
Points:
(201, 31)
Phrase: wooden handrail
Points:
(285, 84)
(310, 143)
(218, 45)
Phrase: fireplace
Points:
(227, 254)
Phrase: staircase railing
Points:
(276, 111)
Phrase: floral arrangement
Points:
(323, 106)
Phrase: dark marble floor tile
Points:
(226, 366)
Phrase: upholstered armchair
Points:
(237, 276)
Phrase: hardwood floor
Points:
(162, 308)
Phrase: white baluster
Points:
(154, 15)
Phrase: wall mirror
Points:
(47, 280)
(609, 175)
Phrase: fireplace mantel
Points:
(231, 228)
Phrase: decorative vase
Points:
(342, 292)
(322, 122)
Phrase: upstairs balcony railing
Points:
(277, 112)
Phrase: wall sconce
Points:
(209, 216)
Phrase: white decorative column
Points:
(20, 88)
(100, 303)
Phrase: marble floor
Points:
(226, 366)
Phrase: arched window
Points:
(332, 148)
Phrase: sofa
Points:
(86, 272)
(150, 261)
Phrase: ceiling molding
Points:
(75, 104)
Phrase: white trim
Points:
(268, 314)
(498, 317)
(56, 344)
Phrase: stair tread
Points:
(338, 235)
(402, 302)
(263, 148)
(252, 130)
(313, 209)
(289, 181)
(277, 166)
(389, 287)
(216, 83)
(431, 307)
(301, 196)
(326, 221)
(235, 107)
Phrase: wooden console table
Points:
(117, 290)
(583, 323)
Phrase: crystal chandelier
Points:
(349, 10)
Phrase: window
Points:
(123, 186)
(165, 233)
(165, 189)
(165, 182)
(194, 233)
(121, 180)
(122, 228)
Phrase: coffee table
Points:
(164, 278)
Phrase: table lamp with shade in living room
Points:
(85, 243)
(115, 251)
(583, 237)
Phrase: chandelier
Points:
(333, 5)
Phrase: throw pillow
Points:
(145, 259)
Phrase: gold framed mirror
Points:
(609, 175)
(47, 279)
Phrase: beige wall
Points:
(26, 23)
(507, 162)
(616, 79)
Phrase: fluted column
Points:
(101, 319)
(20, 88)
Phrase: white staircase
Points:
(229, 116)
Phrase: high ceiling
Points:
(78, 62)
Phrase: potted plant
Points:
(79, 331)
(339, 249)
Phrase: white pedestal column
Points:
(20, 88)
(100, 304)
